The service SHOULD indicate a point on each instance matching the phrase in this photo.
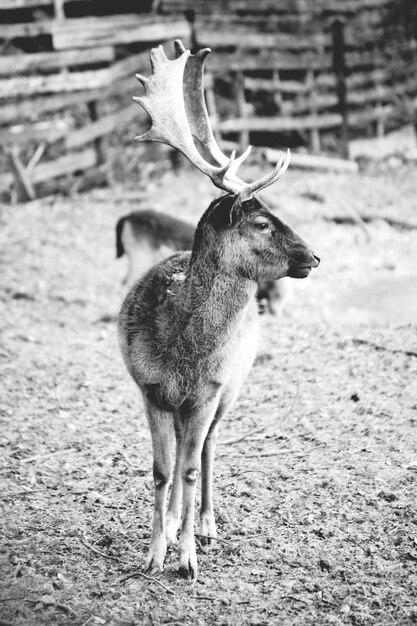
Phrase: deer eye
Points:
(262, 226)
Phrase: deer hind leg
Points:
(196, 424)
(162, 431)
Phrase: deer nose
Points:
(317, 260)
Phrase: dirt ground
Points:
(315, 477)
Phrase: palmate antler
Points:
(174, 100)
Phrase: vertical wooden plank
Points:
(339, 68)
(211, 104)
(315, 132)
(24, 187)
(59, 9)
(30, 167)
(98, 143)
(380, 120)
(242, 108)
(277, 89)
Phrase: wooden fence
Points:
(283, 71)
(58, 100)
(275, 60)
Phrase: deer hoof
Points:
(207, 528)
(188, 561)
(189, 572)
(154, 563)
(152, 569)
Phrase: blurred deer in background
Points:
(147, 237)
(189, 329)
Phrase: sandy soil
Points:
(316, 468)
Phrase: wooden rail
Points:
(73, 81)
(47, 61)
(24, 4)
(104, 126)
(24, 110)
(283, 7)
(116, 30)
(279, 123)
(244, 37)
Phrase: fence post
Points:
(242, 108)
(339, 68)
(98, 143)
(24, 187)
(315, 132)
(211, 105)
(59, 9)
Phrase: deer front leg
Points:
(162, 431)
(197, 424)
(173, 519)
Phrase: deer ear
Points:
(223, 214)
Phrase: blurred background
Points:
(326, 78)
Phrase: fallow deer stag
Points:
(188, 330)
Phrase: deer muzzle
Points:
(303, 264)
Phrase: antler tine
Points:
(195, 104)
(164, 102)
(237, 163)
(269, 179)
(197, 114)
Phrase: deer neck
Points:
(217, 296)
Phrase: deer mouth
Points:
(302, 270)
(299, 272)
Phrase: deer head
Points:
(251, 241)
